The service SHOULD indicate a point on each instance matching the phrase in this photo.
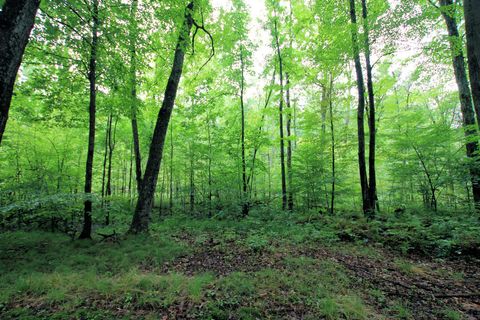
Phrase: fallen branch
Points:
(113, 236)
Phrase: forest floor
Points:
(209, 269)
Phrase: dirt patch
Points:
(426, 291)
(223, 261)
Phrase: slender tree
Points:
(471, 10)
(111, 146)
(171, 168)
(360, 110)
(466, 107)
(289, 146)
(133, 91)
(141, 217)
(280, 111)
(92, 78)
(372, 178)
(16, 21)
(332, 133)
(108, 132)
(245, 202)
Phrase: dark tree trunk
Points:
(468, 115)
(141, 217)
(133, 79)
(162, 190)
(209, 138)
(290, 195)
(245, 201)
(472, 26)
(16, 21)
(372, 178)
(289, 147)
(360, 111)
(105, 155)
(332, 132)
(171, 168)
(111, 147)
(192, 178)
(92, 77)
(130, 172)
(282, 142)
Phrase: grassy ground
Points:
(263, 267)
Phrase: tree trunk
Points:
(332, 196)
(245, 201)
(92, 77)
(360, 111)
(141, 217)
(282, 142)
(171, 168)
(289, 147)
(16, 21)
(105, 155)
(372, 178)
(133, 88)
(209, 138)
(160, 206)
(468, 115)
(111, 147)
(472, 26)
(192, 178)
(130, 171)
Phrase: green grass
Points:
(49, 276)
(313, 288)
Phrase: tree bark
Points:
(209, 162)
(472, 27)
(105, 154)
(141, 217)
(332, 132)
(92, 78)
(468, 115)
(111, 147)
(360, 110)
(171, 169)
(372, 178)
(17, 18)
(245, 202)
(133, 88)
(289, 147)
(280, 109)
(192, 178)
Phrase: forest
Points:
(239, 159)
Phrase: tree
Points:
(16, 21)
(133, 91)
(141, 217)
(372, 178)
(280, 111)
(92, 79)
(468, 116)
(245, 204)
(472, 27)
(360, 112)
